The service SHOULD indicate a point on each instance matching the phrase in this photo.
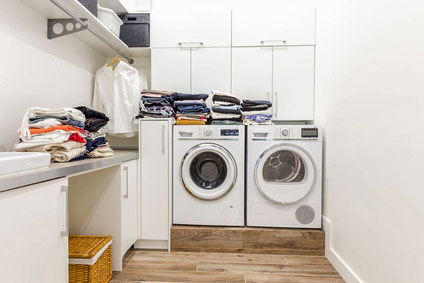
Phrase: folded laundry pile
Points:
(191, 109)
(95, 124)
(68, 134)
(226, 109)
(59, 132)
(256, 112)
(156, 104)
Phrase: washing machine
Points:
(208, 175)
(284, 169)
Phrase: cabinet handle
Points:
(126, 181)
(163, 139)
(65, 232)
(193, 43)
(276, 105)
(274, 42)
(269, 97)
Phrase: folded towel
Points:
(226, 110)
(225, 98)
(190, 122)
(93, 144)
(104, 151)
(157, 92)
(35, 112)
(190, 103)
(65, 128)
(259, 107)
(216, 116)
(186, 96)
(248, 102)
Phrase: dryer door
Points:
(285, 173)
(208, 171)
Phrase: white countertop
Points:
(59, 170)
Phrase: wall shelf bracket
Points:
(61, 27)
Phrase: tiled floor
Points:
(160, 266)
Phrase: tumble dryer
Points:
(208, 175)
(284, 167)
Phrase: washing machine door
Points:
(208, 171)
(285, 173)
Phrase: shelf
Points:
(50, 11)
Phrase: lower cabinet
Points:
(129, 177)
(33, 237)
(105, 202)
(155, 183)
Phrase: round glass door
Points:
(285, 173)
(208, 171)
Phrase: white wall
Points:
(36, 71)
(370, 99)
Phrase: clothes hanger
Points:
(115, 61)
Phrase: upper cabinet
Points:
(187, 28)
(282, 26)
(293, 77)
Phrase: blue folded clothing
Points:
(192, 109)
(227, 109)
(189, 103)
(186, 96)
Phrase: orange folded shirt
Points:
(66, 128)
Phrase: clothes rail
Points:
(78, 20)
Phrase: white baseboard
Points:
(336, 260)
(151, 244)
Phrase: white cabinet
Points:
(293, 82)
(155, 182)
(105, 202)
(191, 70)
(283, 75)
(252, 72)
(188, 28)
(278, 26)
(130, 196)
(33, 238)
(210, 70)
(171, 69)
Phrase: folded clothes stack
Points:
(59, 132)
(256, 112)
(226, 109)
(191, 109)
(95, 124)
(156, 104)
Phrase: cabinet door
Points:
(210, 69)
(293, 80)
(252, 72)
(130, 196)
(154, 160)
(188, 28)
(32, 246)
(171, 69)
(279, 26)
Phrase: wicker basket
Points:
(90, 259)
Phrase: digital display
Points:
(229, 132)
(309, 132)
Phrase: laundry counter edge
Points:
(59, 170)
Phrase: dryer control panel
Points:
(298, 132)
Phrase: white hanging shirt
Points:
(117, 94)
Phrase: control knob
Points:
(285, 132)
(208, 133)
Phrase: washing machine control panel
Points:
(229, 132)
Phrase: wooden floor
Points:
(161, 266)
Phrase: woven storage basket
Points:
(90, 259)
